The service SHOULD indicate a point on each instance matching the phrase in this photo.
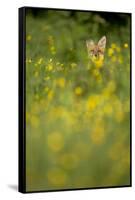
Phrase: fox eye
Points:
(92, 51)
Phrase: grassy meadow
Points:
(77, 112)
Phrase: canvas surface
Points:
(77, 100)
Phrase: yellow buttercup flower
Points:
(57, 177)
(92, 102)
(29, 37)
(110, 52)
(53, 50)
(61, 82)
(98, 61)
(120, 59)
(40, 61)
(46, 89)
(55, 141)
(50, 95)
(78, 91)
(126, 45)
(113, 46)
(96, 72)
(49, 67)
(118, 49)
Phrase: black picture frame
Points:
(22, 102)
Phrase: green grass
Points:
(77, 114)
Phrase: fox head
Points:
(96, 51)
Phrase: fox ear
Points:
(90, 44)
(102, 42)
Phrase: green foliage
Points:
(77, 112)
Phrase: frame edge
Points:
(21, 92)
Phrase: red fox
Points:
(96, 51)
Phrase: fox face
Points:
(96, 51)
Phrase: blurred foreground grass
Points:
(77, 114)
